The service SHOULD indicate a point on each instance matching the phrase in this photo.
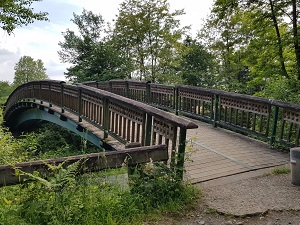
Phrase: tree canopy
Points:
(27, 69)
(149, 33)
(197, 65)
(93, 56)
(15, 13)
(254, 42)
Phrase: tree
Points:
(93, 56)
(5, 90)
(196, 67)
(256, 39)
(15, 13)
(225, 36)
(29, 70)
(148, 33)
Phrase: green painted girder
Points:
(26, 114)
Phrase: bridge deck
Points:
(214, 153)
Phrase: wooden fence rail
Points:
(267, 119)
(93, 162)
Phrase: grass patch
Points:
(65, 197)
(281, 170)
(89, 199)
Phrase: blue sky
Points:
(40, 39)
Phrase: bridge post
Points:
(216, 110)
(62, 98)
(79, 104)
(127, 89)
(49, 85)
(176, 100)
(110, 86)
(40, 92)
(274, 126)
(148, 93)
(181, 151)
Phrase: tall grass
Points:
(91, 199)
(65, 198)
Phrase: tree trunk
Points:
(279, 41)
(296, 38)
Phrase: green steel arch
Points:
(25, 114)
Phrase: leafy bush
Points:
(283, 89)
(64, 198)
(55, 141)
(14, 150)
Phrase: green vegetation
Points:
(5, 90)
(91, 55)
(54, 141)
(65, 197)
(48, 141)
(18, 13)
(256, 47)
(281, 170)
(27, 69)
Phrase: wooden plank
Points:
(94, 162)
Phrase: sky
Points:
(40, 39)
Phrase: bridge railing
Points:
(125, 119)
(267, 119)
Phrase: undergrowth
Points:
(91, 199)
(65, 197)
(281, 170)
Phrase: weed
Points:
(281, 170)
(65, 198)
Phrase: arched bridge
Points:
(130, 112)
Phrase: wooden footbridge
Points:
(121, 113)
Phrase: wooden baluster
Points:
(120, 126)
(79, 110)
(254, 122)
(290, 132)
(128, 130)
(133, 131)
(138, 132)
(181, 153)
(298, 135)
(124, 128)
(106, 117)
(261, 123)
(248, 120)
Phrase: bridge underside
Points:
(27, 114)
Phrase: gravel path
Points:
(254, 196)
(250, 199)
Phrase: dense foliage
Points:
(256, 46)
(17, 13)
(91, 55)
(92, 199)
(66, 197)
(149, 33)
(27, 69)
(5, 90)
